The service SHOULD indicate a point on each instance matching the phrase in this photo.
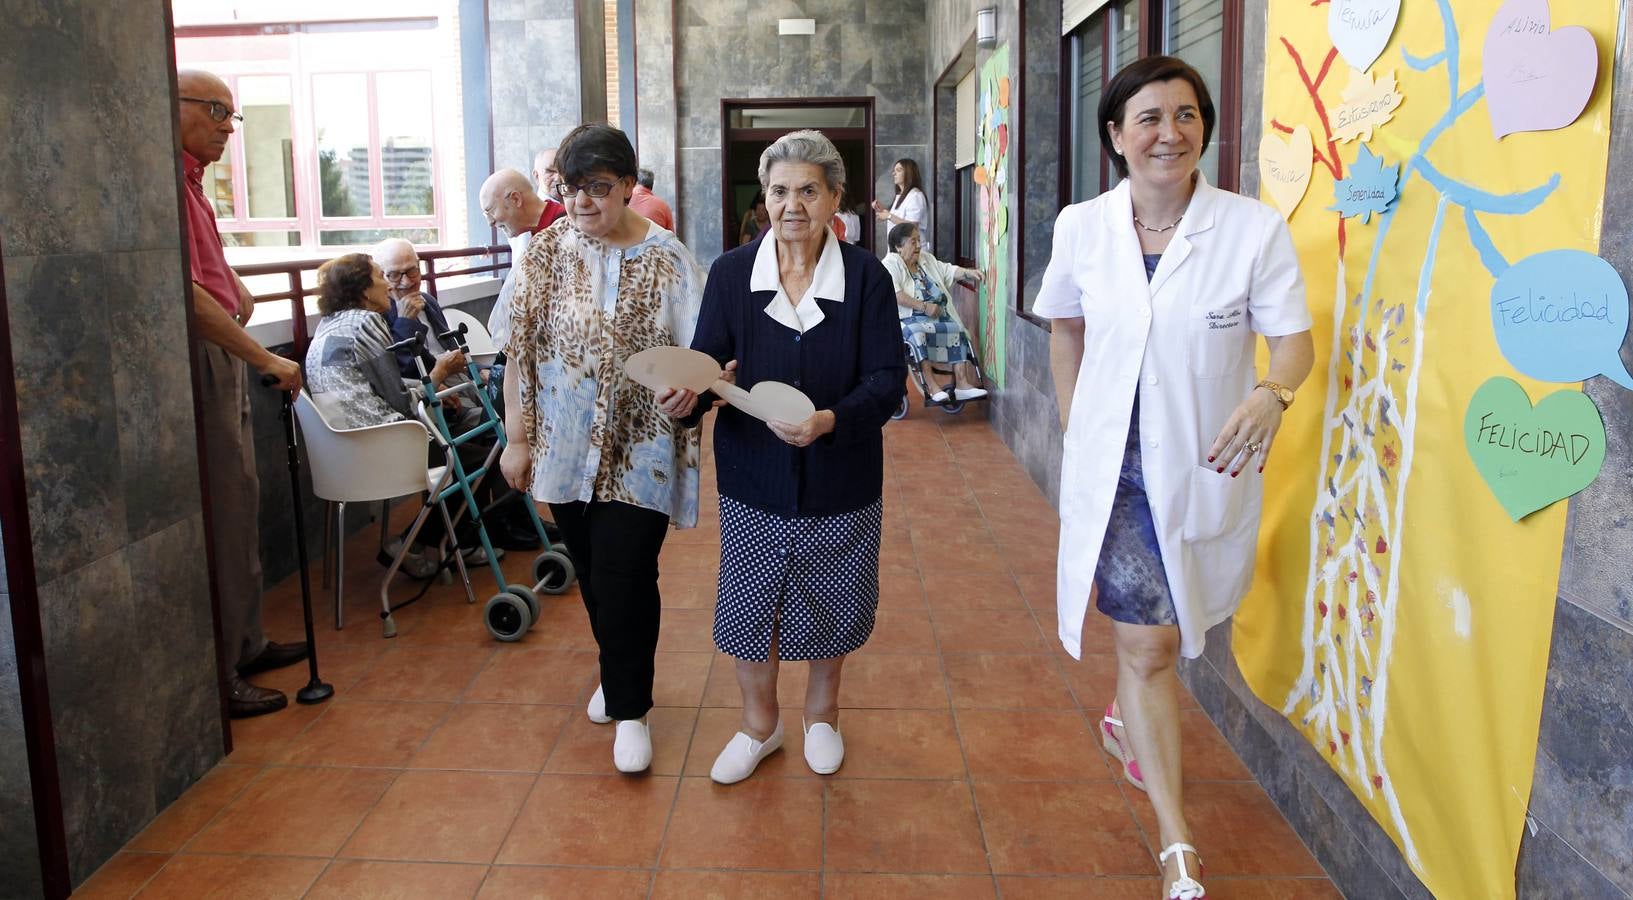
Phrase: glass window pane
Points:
(1125, 35)
(1086, 167)
(218, 184)
(261, 238)
(404, 109)
(340, 111)
(1195, 32)
(363, 237)
(269, 149)
(966, 213)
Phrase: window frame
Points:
(377, 218)
(1153, 39)
(301, 70)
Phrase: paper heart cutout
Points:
(1533, 457)
(1536, 79)
(1360, 29)
(1284, 167)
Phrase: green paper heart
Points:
(1531, 457)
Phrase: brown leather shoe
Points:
(275, 656)
(245, 700)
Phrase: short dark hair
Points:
(592, 148)
(645, 177)
(1135, 76)
(899, 234)
(343, 281)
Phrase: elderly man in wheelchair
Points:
(934, 337)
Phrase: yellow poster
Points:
(1400, 617)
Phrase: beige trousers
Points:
(235, 501)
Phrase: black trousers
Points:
(615, 552)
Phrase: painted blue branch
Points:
(1490, 256)
(1453, 113)
(1426, 275)
(1448, 25)
(1471, 197)
(1423, 63)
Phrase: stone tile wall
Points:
(95, 294)
(730, 49)
(533, 71)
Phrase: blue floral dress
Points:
(1131, 584)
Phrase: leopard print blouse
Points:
(580, 309)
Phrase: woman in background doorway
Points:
(908, 206)
(754, 221)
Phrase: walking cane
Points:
(316, 691)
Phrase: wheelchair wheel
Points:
(953, 407)
(901, 409)
(553, 572)
(507, 617)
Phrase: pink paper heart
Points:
(1537, 78)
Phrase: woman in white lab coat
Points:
(1168, 424)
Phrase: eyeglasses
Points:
(400, 274)
(218, 111)
(596, 189)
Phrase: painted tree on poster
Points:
(992, 198)
(1372, 579)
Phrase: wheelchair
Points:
(951, 406)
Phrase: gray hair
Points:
(807, 146)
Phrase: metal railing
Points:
(298, 291)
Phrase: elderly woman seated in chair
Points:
(924, 289)
(353, 378)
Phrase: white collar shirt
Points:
(827, 282)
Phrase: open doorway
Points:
(750, 126)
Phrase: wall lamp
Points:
(986, 27)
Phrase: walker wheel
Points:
(507, 617)
(901, 409)
(528, 597)
(553, 572)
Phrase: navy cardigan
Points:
(852, 363)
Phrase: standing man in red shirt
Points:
(221, 308)
(649, 204)
(512, 206)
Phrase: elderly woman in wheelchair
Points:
(933, 334)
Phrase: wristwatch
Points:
(1282, 393)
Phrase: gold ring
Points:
(1254, 447)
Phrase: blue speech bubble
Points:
(1561, 315)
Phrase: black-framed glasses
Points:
(399, 274)
(218, 111)
(596, 189)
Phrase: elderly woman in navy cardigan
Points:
(800, 508)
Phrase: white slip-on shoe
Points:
(938, 397)
(632, 746)
(742, 756)
(973, 393)
(597, 707)
(824, 748)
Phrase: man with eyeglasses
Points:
(221, 308)
(512, 206)
(414, 312)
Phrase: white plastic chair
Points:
(483, 349)
(373, 463)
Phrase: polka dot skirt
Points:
(814, 579)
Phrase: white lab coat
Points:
(1186, 339)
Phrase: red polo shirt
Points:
(209, 258)
(552, 212)
(652, 206)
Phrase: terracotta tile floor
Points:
(449, 765)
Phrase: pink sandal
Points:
(1115, 749)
